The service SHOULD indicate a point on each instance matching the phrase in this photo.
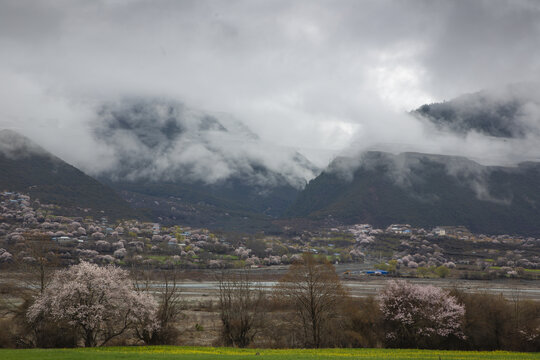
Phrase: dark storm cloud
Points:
(307, 75)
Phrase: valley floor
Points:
(209, 353)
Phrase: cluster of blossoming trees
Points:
(309, 307)
(100, 303)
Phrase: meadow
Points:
(211, 353)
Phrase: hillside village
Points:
(27, 225)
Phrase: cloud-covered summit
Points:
(165, 140)
(16, 146)
(496, 126)
(509, 112)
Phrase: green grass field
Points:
(208, 353)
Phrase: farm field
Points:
(210, 353)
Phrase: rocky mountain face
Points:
(425, 190)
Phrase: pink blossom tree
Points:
(419, 316)
(97, 301)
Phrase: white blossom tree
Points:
(418, 316)
(97, 301)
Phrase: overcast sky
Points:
(312, 75)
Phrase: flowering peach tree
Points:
(419, 316)
(99, 302)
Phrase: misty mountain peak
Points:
(14, 145)
(154, 123)
(509, 112)
(156, 139)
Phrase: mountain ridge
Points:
(426, 191)
(29, 168)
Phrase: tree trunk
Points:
(89, 339)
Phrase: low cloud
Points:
(304, 76)
(161, 139)
(493, 127)
(14, 146)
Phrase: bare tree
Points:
(168, 294)
(313, 290)
(241, 309)
(29, 279)
(42, 261)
